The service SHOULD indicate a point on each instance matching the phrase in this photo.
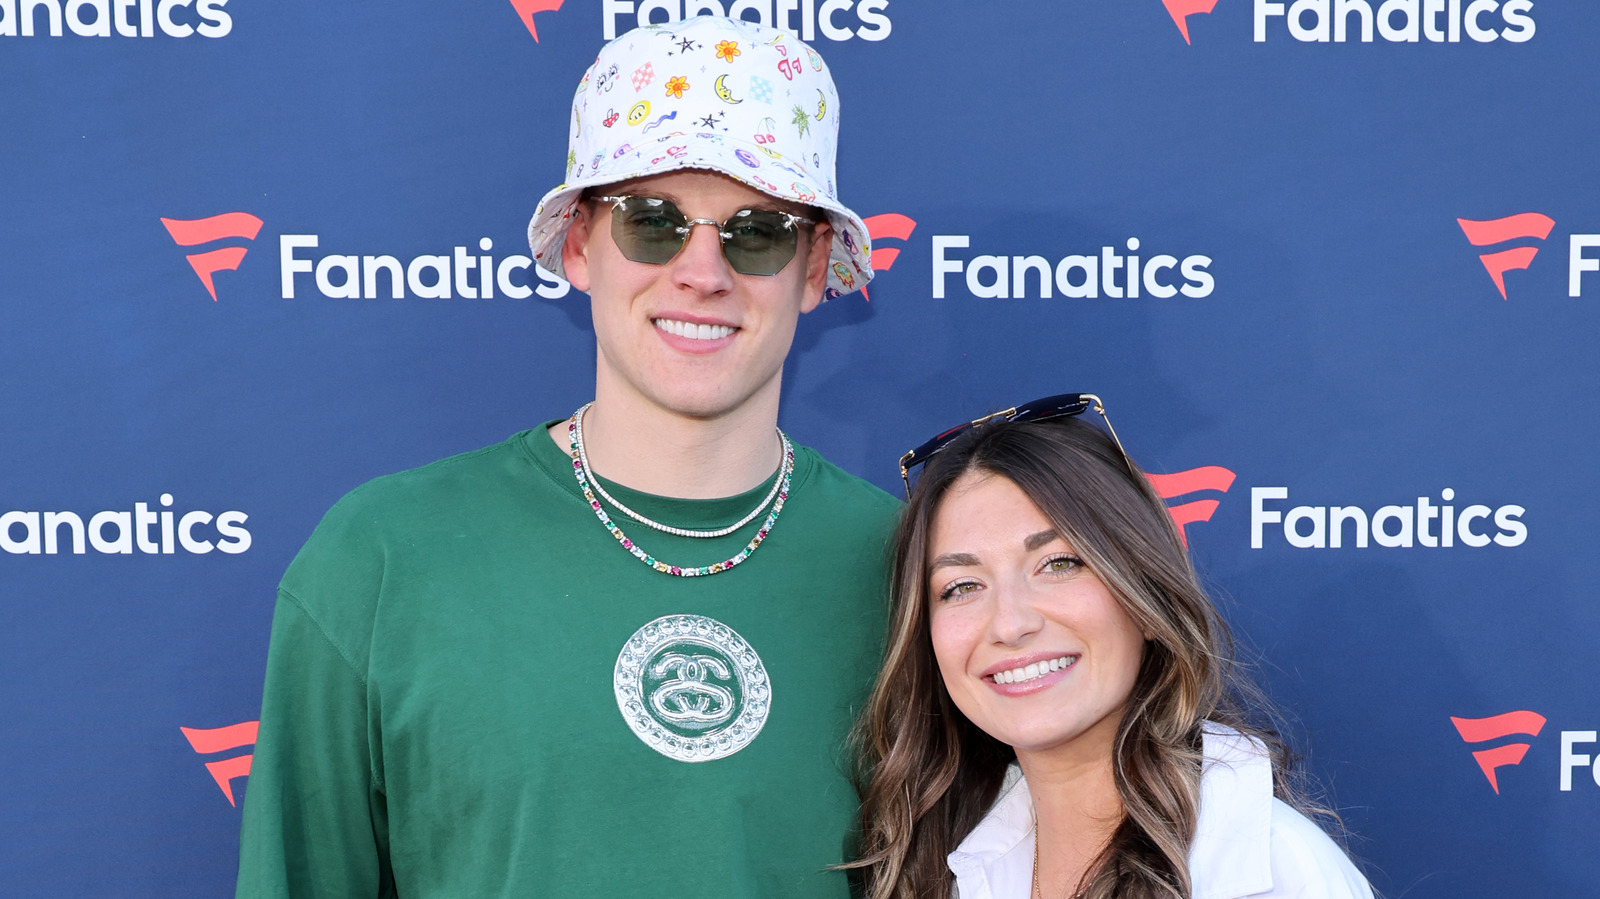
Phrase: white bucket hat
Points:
(751, 102)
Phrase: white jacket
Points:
(1247, 842)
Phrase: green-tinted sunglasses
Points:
(755, 241)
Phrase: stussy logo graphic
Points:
(692, 696)
(1482, 730)
(691, 688)
(1524, 225)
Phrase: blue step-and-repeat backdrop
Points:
(1333, 264)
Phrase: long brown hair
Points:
(928, 775)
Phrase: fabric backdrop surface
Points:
(1332, 264)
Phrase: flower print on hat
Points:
(751, 102)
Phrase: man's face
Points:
(693, 336)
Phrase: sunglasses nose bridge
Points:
(700, 262)
(687, 228)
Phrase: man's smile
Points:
(693, 330)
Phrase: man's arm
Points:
(315, 822)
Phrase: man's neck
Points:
(642, 446)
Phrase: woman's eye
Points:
(958, 589)
(1063, 563)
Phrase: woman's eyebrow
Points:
(953, 560)
(1040, 539)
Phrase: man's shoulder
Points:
(1306, 861)
(397, 509)
(451, 479)
(838, 485)
(849, 509)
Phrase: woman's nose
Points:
(1016, 616)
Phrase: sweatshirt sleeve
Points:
(315, 821)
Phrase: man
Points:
(479, 684)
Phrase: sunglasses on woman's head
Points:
(755, 241)
(1058, 406)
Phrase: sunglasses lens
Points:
(647, 229)
(760, 242)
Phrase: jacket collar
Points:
(1231, 852)
(996, 859)
(1231, 855)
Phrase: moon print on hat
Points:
(691, 688)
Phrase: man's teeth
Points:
(1034, 671)
(692, 330)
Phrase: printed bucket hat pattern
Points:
(751, 102)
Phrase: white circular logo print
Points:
(691, 688)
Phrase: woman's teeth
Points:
(693, 331)
(1033, 671)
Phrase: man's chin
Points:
(701, 409)
(712, 402)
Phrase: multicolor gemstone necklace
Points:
(580, 470)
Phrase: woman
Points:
(1058, 714)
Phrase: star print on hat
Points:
(751, 102)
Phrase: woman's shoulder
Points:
(1250, 843)
(1307, 862)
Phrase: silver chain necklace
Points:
(583, 457)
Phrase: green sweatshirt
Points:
(473, 690)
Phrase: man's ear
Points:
(817, 265)
(575, 248)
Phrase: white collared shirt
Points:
(1247, 842)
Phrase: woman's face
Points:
(1032, 646)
